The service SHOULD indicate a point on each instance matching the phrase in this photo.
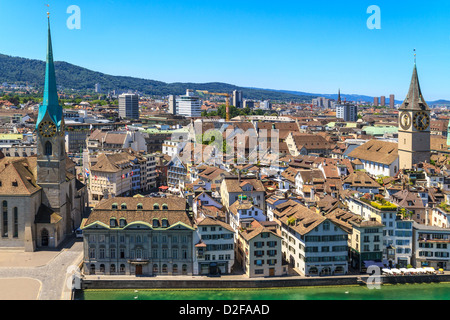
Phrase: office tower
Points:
(265, 105)
(347, 112)
(392, 101)
(382, 100)
(249, 104)
(375, 102)
(172, 105)
(189, 105)
(129, 106)
(237, 99)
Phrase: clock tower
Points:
(51, 153)
(414, 127)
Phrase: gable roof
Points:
(376, 151)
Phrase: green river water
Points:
(432, 291)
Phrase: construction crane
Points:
(227, 95)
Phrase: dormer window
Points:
(15, 183)
(156, 206)
(123, 222)
(165, 206)
(140, 206)
(115, 206)
(123, 206)
(165, 223)
(155, 223)
(112, 222)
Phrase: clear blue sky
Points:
(311, 46)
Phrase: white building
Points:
(312, 244)
(347, 112)
(431, 247)
(380, 158)
(189, 105)
(213, 247)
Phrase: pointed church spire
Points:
(414, 100)
(339, 97)
(50, 103)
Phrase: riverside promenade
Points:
(40, 275)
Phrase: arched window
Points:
(155, 269)
(122, 269)
(114, 206)
(184, 269)
(175, 269)
(165, 206)
(113, 268)
(123, 206)
(164, 268)
(48, 148)
(5, 219)
(140, 206)
(156, 206)
(102, 268)
(92, 269)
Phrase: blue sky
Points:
(297, 45)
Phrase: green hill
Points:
(27, 71)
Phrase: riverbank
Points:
(234, 282)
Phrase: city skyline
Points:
(304, 48)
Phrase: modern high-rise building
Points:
(98, 88)
(249, 104)
(129, 106)
(189, 105)
(382, 101)
(392, 101)
(265, 105)
(237, 99)
(375, 102)
(172, 105)
(347, 112)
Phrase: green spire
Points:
(50, 103)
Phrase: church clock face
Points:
(421, 120)
(47, 129)
(405, 120)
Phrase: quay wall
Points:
(217, 283)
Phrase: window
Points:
(102, 253)
(113, 268)
(165, 206)
(123, 206)
(140, 206)
(112, 222)
(48, 148)
(115, 206)
(16, 223)
(91, 253)
(156, 206)
(5, 219)
(112, 253)
(326, 226)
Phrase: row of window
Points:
(270, 253)
(436, 254)
(137, 254)
(155, 269)
(270, 244)
(270, 262)
(222, 257)
(343, 237)
(135, 239)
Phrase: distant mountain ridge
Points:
(30, 71)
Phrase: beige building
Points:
(233, 186)
(259, 250)
(414, 127)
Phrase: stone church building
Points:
(41, 200)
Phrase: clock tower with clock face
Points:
(414, 127)
(51, 153)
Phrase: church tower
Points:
(51, 153)
(414, 127)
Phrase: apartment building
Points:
(312, 244)
(431, 247)
(213, 247)
(259, 250)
